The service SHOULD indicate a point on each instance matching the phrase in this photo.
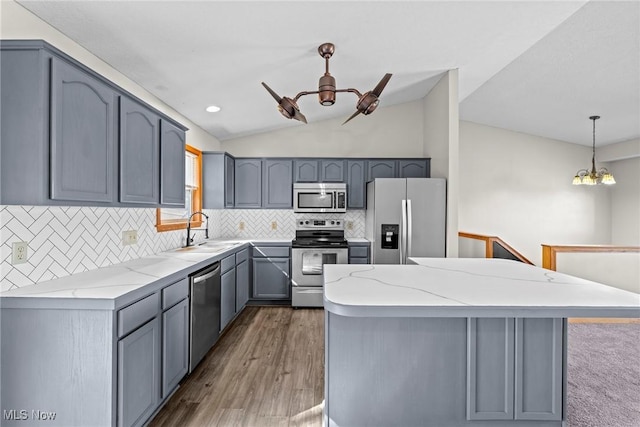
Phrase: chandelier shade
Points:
(593, 176)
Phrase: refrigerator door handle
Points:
(403, 233)
(409, 229)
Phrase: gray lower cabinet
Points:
(271, 278)
(356, 184)
(248, 183)
(242, 285)
(139, 374)
(175, 346)
(83, 136)
(359, 253)
(139, 153)
(277, 183)
(227, 297)
(514, 369)
(172, 167)
(271, 272)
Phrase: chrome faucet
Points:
(206, 230)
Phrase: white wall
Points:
(394, 131)
(441, 143)
(625, 202)
(518, 187)
(18, 23)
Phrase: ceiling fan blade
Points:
(352, 116)
(378, 89)
(275, 95)
(297, 115)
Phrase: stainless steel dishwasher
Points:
(205, 312)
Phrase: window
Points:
(176, 219)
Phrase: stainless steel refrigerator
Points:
(405, 217)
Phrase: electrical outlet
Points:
(349, 225)
(129, 237)
(274, 225)
(19, 253)
(241, 225)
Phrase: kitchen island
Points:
(453, 342)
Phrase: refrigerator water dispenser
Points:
(389, 236)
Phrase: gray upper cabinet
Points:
(414, 168)
(139, 154)
(248, 183)
(83, 136)
(172, 164)
(61, 122)
(306, 170)
(217, 180)
(229, 181)
(381, 169)
(277, 184)
(356, 184)
(332, 170)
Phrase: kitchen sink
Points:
(208, 247)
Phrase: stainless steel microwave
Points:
(319, 197)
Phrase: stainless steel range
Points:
(318, 242)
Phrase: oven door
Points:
(308, 264)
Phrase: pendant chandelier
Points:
(593, 176)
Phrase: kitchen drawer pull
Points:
(209, 275)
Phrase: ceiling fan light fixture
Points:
(327, 90)
(366, 105)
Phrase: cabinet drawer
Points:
(227, 263)
(242, 255)
(270, 251)
(129, 318)
(358, 260)
(175, 293)
(358, 251)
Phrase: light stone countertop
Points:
(119, 284)
(478, 287)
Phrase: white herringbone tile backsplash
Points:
(68, 240)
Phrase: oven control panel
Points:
(334, 224)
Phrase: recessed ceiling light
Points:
(213, 108)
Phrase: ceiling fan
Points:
(366, 104)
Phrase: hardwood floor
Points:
(266, 370)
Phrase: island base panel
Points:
(400, 372)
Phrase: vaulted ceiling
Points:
(535, 67)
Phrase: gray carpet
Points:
(603, 375)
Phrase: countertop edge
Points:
(477, 311)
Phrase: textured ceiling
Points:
(536, 67)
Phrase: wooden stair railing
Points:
(549, 252)
(489, 246)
